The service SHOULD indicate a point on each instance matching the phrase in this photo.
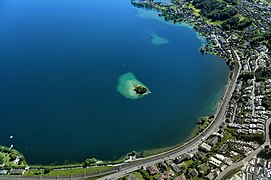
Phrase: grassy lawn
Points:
(6, 159)
(240, 17)
(217, 22)
(231, 173)
(138, 175)
(227, 135)
(197, 178)
(213, 22)
(196, 11)
(68, 172)
(189, 162)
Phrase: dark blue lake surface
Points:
(60, 61)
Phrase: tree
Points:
(47, 170)
(12, 157)
(263, 74)
(133, 153)
(267, 102)
(89, 162)
(145, 174)
(140, 89)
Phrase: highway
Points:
(128, 168)
(251, 155)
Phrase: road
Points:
(251, 155)
(126, 169)
(173, 153)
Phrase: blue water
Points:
(60, 61)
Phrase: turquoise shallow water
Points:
(60, 61)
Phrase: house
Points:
(205, 147)
(220, 157)
(210, 176)
(175, 168)
(3, 172)
(162, 166)
(169, 174)
(182, 177)
(152, 169)
(193, 173)
(215, 162)
(132, 177)
(16, 171)
(213, 141)
(161, 177)
(181, 158)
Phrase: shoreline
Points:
(191, 136)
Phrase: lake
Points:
(60, 62)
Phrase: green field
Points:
(8, 158)
(68, 172)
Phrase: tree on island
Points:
(140, 89)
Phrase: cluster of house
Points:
(219, 161)
(162, 168)
(260, 11)
(257, 168)
(250, 128)
(248, 115)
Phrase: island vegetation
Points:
(140, 90)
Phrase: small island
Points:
(131, 88)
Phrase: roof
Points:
(152, 169)
(16, 171)
(205, 147)
(132, 177)
(182, 177)
(210, 176)
(181, 158)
